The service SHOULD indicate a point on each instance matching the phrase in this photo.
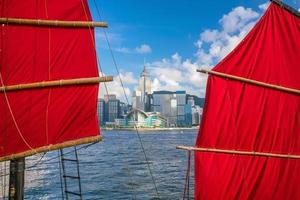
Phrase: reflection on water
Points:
(116, 168)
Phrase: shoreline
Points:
(151, 129)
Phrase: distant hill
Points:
(198, 101)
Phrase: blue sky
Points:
(173, 37)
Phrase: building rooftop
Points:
(145, 72)
(169, 92)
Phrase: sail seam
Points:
(13, 117)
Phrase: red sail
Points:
(43, 119)
(241, 116)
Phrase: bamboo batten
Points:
(55, 23)
(56, 83)
(52, 147)
(237, 152)
(250, 81)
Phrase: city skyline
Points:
(138, 88)
(150, 109)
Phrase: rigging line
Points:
(118, 72)
(94, 46)
(99, 64)
(13, 117)
(186, 192)
(55, 157)
(38, 162)
(11, 112)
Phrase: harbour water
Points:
(116, 168)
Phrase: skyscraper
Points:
(171, 105)
(140, 96)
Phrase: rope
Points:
(10, 110)
(186, 192)
(38, 162)
(14, 119)
(119, 76)
(106, 90)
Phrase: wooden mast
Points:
(16, 179)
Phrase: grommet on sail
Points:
(49, 76)
(248, 145)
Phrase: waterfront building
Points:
(124, 108)
(196, 115)
(113, 110)
(181, 114)
(121, 122)
(191, 101)
(188, 114)
(139, 118)
(110, 108)
(171, 105)
(101, 111)
(108, 97)
(137, 100)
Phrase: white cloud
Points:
(114, 39)
(122, 50)
(237, 19)
(219, 42)
(143, 49)
(264, 6)
(128, 78)
(175, 73)
(116, 88)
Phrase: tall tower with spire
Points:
(144, 85)
(140, 96)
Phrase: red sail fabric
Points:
(32, 119)
(240, 116)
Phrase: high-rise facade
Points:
(111, 107)
(171, 105)
(140, 97)
(101, 111)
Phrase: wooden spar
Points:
(237, 152)
(250, 81)
(52, 147)
(55, 23)
(56, 83)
